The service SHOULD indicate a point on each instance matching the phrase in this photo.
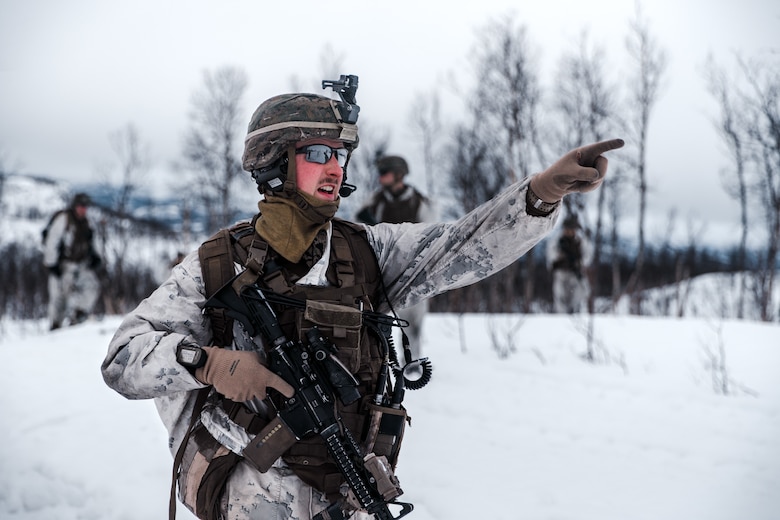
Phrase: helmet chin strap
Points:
(291, 172)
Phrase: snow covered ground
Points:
(541, 434)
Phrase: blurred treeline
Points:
(511, 125)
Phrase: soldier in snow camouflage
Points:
(297, 149)
(70, 257)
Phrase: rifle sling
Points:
(200, 400)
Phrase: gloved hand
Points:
(54, 270)
(580, 170)
(239, 375)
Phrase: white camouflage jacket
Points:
(417, 261)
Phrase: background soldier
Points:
(569, 255)
(396, 202)
(71, 260)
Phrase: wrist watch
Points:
(191, 356)
(535, 206)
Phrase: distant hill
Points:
(27, 202)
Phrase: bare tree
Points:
(684, 265)
(426, 121)
(614, 205)
(585, 103)
(584, 100)
(504, 334)
(507, 93)
(131, 162)
(645, 84)
(506, 101)
(763, 79)
(475, 168)
(731, 127)
(212, 145)
(749, 126)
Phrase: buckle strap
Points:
(256, 255)
(343, 260)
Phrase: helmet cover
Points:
(284, 120)
(392, 163)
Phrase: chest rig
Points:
(355, 285)
(405, 208)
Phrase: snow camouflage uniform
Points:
(568, 255)
(416, 261)
(69, 255)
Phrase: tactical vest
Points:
(81, 246)
(571, 254)
(354, 275)
(396, 211)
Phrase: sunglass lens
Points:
(341, 156)
(321, 154)
(318, 153)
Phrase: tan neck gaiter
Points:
(289, 225)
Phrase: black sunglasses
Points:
(321, 154)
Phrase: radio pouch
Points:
(385, 431)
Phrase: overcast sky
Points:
(73, 71)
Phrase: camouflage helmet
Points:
(571, 222)
(286, 119)
(81, 199)
(392, 163)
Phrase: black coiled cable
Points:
(426, 372)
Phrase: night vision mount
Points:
(346, 87)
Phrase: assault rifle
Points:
(318, 378)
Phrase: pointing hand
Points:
(580, 170)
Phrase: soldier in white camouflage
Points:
(71, 260)
(569, 255)
(297, 149)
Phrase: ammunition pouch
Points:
(339, 323)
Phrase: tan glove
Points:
(239, 375)
(582, 169)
